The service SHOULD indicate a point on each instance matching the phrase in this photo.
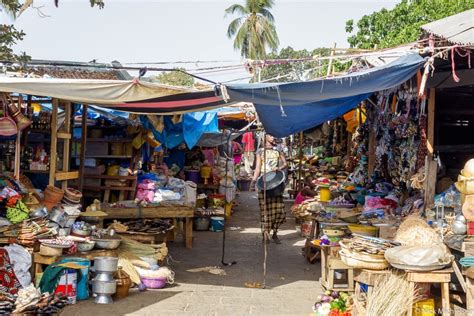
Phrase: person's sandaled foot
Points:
(276, 239)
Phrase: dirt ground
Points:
(291, 283)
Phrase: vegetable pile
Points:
(333, 304)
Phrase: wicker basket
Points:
(356, 262)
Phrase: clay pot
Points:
(52, 196)
(21, 121)
(123, 283)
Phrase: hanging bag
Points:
(7, 125)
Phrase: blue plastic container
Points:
(82, 288)
(217, 223)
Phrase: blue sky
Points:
(175, 30)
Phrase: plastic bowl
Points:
(153, 283)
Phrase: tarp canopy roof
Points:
(456, 29)
(287, 108)
(133, 96)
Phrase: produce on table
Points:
(333, 303)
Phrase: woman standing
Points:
(272, 209)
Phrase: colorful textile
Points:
(8, 281)
(275, 212)
(300, 198)
(272, 160)
(249, 142)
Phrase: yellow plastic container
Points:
(324, 194)
(424, 308)
(364, 230)
(228, 210)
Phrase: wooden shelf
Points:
(105, 157)
(40, 131)
(36, 171)
(66, 175)
(104, 187)
(108, 140)
(106, 177)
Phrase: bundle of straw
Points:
(392, 296)
(142, 250)
(125, 260)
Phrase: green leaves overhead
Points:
(400, 25)
(254, 30)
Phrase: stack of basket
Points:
(72, 197)
(364, 252)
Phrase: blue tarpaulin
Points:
(189, 130)
(287, 108)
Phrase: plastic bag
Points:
(421, 256)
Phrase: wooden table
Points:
(443, 277)
(162, 211)
(39, 260)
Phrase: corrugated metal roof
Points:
(457, 29)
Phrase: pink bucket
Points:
(153, 283)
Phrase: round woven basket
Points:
(352, 261)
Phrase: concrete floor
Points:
(291, 282)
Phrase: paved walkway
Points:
(291, 282)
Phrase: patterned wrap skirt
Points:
(275, 212)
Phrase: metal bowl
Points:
(103, 287)
(39, 212)
(107, 243)
(85, 246)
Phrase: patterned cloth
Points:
(8, 280)
(275, 209)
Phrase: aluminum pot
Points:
(106, 264)
(104, 287)
(104, 277)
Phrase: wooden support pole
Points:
(300, 172)
(66, 142)
(431, 167)
(431, 122)
(54, 142)
(372, 143)
(83, 146)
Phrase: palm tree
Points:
(254, 30)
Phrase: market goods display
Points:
(419, 257)
(392, 295)
(415, 231)
(153, 226)
(333, 303)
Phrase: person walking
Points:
(272, 209)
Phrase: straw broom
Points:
(392, 296)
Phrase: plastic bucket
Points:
(82, 288)
(201, 223)
(217, 224)
(192, 175)
(67, 285)
(324, 194)
(244, 185)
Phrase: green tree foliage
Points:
(254, 30)
(175, 78)
(400, 25)
(300, 70)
